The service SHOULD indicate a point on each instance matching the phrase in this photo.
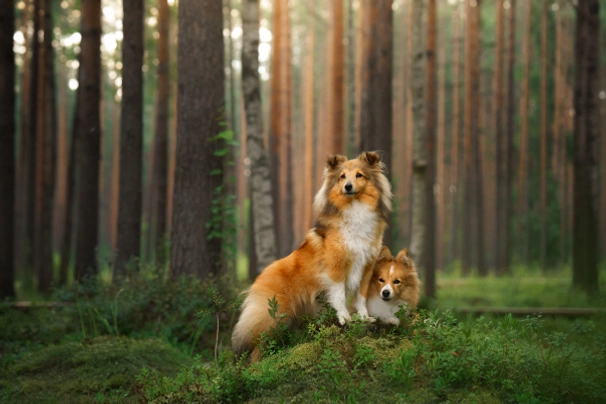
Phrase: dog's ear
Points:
(403, 256)
(370, 158)
(384, 255)
(334, 161)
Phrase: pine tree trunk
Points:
(7, 153)
(71, 189)
(586, 137)
(22, 223)
(131, 141)
(88, 142)
(262, 212)
(195, 248)
(543, 141)
(429, 260)
(161, 135)
(350, 128)
(522, 209)
(501, 160)
(308, 81)
(419, 159)
(336, 83)
(454, 169)
(509, 133)
(46, 140)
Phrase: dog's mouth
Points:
(386, 298)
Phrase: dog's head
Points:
(396, 277)
(362, 178)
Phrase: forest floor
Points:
(149, 341)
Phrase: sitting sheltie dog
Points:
(394, 282)
(352, 208)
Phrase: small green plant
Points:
(218, 305)
(277, 337)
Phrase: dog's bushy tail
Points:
(254, 320)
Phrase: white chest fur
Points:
(379, 308)
(359, 232)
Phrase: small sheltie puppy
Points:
(352, 207)
(394, 282)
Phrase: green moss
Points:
(79, 371)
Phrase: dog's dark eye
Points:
(358, 175)
(396, 282)
(381, 280)
(342, 175)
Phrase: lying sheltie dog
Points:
(394, 282)
(352, 207)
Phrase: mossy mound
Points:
(97, 370)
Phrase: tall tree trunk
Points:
(89, 139)
(350, 127)
(509, 133)
(7, 152)
(22, 213)
(419, 159)
(429, 259)
(501, 222)
(262, 212)
(543, 141)
(586, 136)
(131, 140)
(336, 83)
(62, 157)
(522, 208)
(441, 159)
(470, 129)
(195, 247)
(161, 135)
(454, 169)
(71, 189)
(308, 79)
(473, 124)
(45, 168)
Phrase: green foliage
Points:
(437, 358)
(97, 370)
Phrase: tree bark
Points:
(543, 141)
(509, 133)
(161, 136)
(7, 152)
(419, 159)
(131, 141)
(262, 212)
(501, 222)
(195, 247)
(308, 79)
(46, 139)
(89, 136)
(586, 136)
(429, 259)
(522, 209)
(456, 138)
(336, 83)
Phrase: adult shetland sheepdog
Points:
(352, 209)
(394, 282)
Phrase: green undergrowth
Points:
(434, 358)
(525, 287)
(98, 370)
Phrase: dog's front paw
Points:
(344, 319)
(371, 319)
(394, 321)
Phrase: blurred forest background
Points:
(192, 134)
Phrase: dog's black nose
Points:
(348, 187)
(386, 293)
